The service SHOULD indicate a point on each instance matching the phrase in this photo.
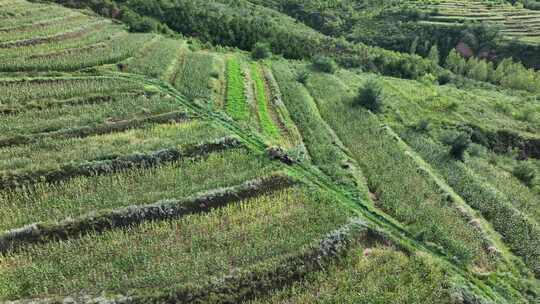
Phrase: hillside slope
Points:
(148, 168)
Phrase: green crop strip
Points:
(237, 106)
(267, 125)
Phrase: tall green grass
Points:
(268, 126)
(171, 253)
(412, 101)
(236, 105)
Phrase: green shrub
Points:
(422, 126)
(261, 51)
(459, 142)
(370, 96)
(325, 64)
(444, 78)
(525, 172)
(302, 76)
(138, 23)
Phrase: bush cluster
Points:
(370, 96)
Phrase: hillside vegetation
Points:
(147, 157)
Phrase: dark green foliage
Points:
(302, 76)
(261, 51)
(242, 24)
(459, 142)
(422, 126)
(444, 78)
(324, 64)
(525, 172)
(138, 23)
(370, 96)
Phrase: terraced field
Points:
(138, 168)
(515, 23)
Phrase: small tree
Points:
(261, 51)
(434, 55)
(455, 62)
(370, 96)
(325, 64)
(459, 142)
(414, 46)
(478, 69)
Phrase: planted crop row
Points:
(103, 36)
(259, 281)
(72, 33)
(397, 187)
(346, 199)
(51, 105)
(22, 92)
(45, 30)
(196, 75)
(376, 274)
(43, 23)
(522, 196)
(26, 13)
(265, 119)
(117, 49)
(505, 16)
(520, 233)
(43, 232)
(236, 103)
(113, 163)
(86, 131)
(81, 195)
(44, 156)
(293, 138)
(192, 250)
(324, 148)
(154, 60)
(90, 111)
